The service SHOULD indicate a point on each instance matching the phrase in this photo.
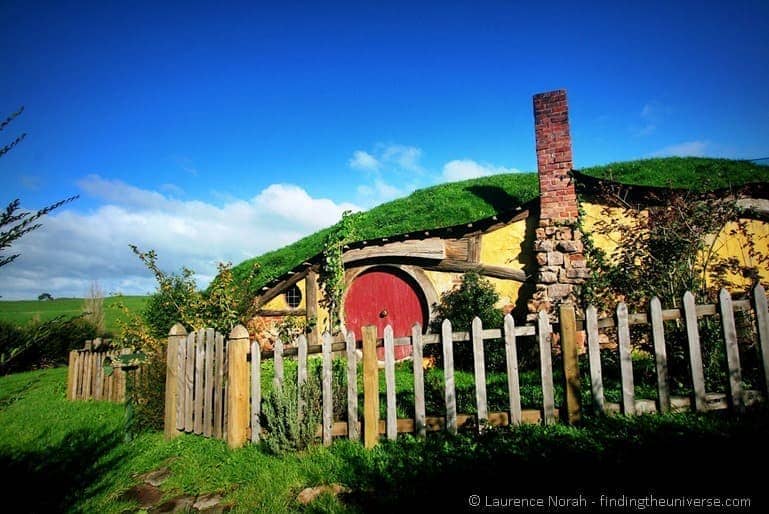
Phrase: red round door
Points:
(381, 297)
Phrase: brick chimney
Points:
(554, 161)
(558, 246)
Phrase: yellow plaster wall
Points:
(733, 243)
(730, 243)
(593, 213)
(505, 247)
(279, 302)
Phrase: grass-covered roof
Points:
(695, 173)
(455, 203)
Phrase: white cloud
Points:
(405, 157)
(361, 160)
(463, 169)
(378, 192)
(73, 248)
(688, 148)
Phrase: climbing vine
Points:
(331, 277)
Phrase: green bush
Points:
(286, 430)
(41, 344)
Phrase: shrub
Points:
(41, 344)
(475, 296)
(286, 431)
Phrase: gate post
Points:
(175, 337)
(370, 388)
(568, 322)
(237, 387)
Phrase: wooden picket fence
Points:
(213, 385)
(86, 379)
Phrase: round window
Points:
(293, 297)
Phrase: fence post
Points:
(732, 350)
(546, 367)
(625, 360)
(175, 337)
(762, 321)
(568, 323)
(71, 377)
(695, 353)
(370, 388)
(237, 387)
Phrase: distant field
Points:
(22, 311)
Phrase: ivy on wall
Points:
(331, 276)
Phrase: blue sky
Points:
(236, 128)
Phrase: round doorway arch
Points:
(386, 295)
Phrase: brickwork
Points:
(558, 245)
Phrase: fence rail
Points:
(216, 391)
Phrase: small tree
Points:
(45, 296)
(14, 224)
(93, 307)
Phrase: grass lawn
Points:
(22, 311)
(73, 457)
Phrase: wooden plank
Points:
(732, 350)
(448, 373)
(695, 352)
(455, 266)
(256, 391)
(181, 367)
(328, 400)
(225, 392)
(370, 388)
(762, 323)
(433, 248)
(474, 249)
(276, 313)
(71, 374)
(594, 354)
(110, 380)
(625, 361)
(278, 361)
(479, 367)
(78, 378)
(389, 355)
(189, 384)
(200, 352)
(87, 379)
(419, 380)
(219, 398)
(568, 322)
(208, 386)
(352, 388)
(97, 375)
(546, 367)
(238, 386)
(660, 355)
(301, 373)
(513, 383)
(311, 302)
(175, 339)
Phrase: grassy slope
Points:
(22, 311)
(425, 209)
(462, 202)
(698, 173)
(75, 456)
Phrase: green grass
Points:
(20, 312)
(456, 203)
(73, 457)
(696, 173)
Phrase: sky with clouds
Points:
(213, 132)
